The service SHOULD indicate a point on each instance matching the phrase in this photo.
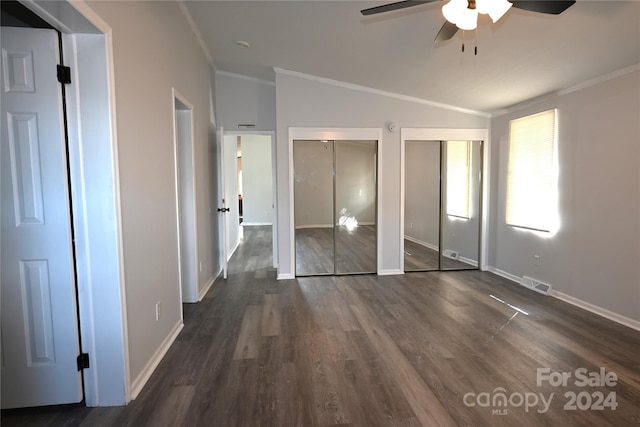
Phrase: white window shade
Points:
(531, 178)
(458, 165)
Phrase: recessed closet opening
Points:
(443, 193)
(335, 198)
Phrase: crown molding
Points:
(196, 32)
(373, 91)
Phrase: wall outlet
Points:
(158, 311)
(200, 266)
(536, 260)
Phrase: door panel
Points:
(39, 317)
(313, 206)
(422, 206)
(355, 206)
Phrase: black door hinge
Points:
(83, 361)
(64, 74)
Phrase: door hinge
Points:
(83, 361)
(64, 74)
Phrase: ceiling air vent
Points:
(246, 126)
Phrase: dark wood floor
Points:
(373, 351)
(355, 250)
(418, 257)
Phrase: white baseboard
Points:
(389, 272)
(469, 261)
(235, 246)
(603, 312)
(504, 274)
(618, 318)
(208, 285)
(249, 224)
(141, 380)
(286, 276)
(421, 243)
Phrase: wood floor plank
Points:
(424, 403)
(271, 315)
(250, 332)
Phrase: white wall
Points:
(304, 102)
(257, 186)
(594, 257)
(243, 100)
(155, 50)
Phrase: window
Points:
(531, 177)
(458, 165)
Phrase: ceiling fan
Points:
(463, 14)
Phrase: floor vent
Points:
(536, 285)
(451, 254)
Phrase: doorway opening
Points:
(186, 198)
(248, 188)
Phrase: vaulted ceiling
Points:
(523, 56)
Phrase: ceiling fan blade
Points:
(394, 6)
(552, 7)
(447, 31)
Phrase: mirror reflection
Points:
(335, 206)
(355, 207)
(442, 205)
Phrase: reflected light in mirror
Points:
(348, 221)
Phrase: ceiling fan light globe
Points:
(498, 9)
(468, 20)
(453, 10)
(484, 6)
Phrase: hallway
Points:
(370, 351)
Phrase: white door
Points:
(39, 318)
(223, 204)
(232, 215)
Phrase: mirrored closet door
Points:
(443, 182)
(335, 197)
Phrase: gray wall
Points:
(243, 100)
(304, 102)
(148, 62)
(422, 192)
(355, 182)
(595, 255)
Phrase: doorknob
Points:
(224, 209)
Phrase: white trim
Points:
(141, 380)
(445, 134)
(601, 79)
(207, 286)
(388, 94)
(302, 227)
(274, 184)
(193, 208)
(108, 381)
(368, 134)
(232, 251)
(602, 312)
(286, 276)
(504, 274)
(252, 224)
(575, 88)
(391, 272)
(421, 243)
(196, 32)
(248, 78)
